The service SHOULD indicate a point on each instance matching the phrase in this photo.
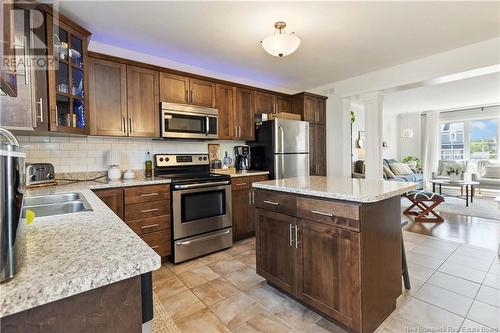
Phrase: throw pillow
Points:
(492, 171)
(400, 169)
(389, 174)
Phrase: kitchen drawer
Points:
(255, 179)
(150, 224)
(240, 183)
(159, 241)
(329, 212)
(276, 202)
(147, 209)
(146, 193)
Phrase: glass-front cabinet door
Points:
(67, 78)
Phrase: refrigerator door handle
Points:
(282, 138)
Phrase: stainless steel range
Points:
(201, 205)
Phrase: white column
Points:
(373, 132)
(338, 136)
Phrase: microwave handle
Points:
(207, 124)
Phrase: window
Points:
(472, 140)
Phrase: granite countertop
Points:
(244, 173)
(64, 255)
(357, 190)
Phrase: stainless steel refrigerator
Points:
(281, 147)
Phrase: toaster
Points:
(40, 173)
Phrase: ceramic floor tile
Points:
(325, 326)
(236, 310)
(432, 251)
(445, 299)
(264, 322)
(471, 326)
(424, 260)
(409, 245)
(495, 268)
(198, 275)
(485, 314)
(440, 244)
(238, 249)
(415, 285)
(453, 283)
(489, 296)
(215, 257)
(245, 279)
(295, 315)
(160, 316)
(224, 267)
(476, 263)
(202, 321)
(266, 295)
(169, 286)
(182, 305)
(215, 291)
(398, 325)
(475, 252)
(419, 272)
(492, 280)
(463, 272)
(429, 316)
(413, 237)
(185, 266)
(163, 272)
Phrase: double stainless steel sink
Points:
(56, 204)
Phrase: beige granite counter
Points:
(357, 190)
(64, 255)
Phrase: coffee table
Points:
(467, 184)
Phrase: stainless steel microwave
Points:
(180, 121)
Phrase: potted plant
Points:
(413, 162)
(455, 173)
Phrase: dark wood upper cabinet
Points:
(265, 103)
(245, 112)
(314, 110)
(108, 97)
(275, 253)
(202, 93)
(317, 150)
(323, 279)
(174, 88)
(225, 103)
(113, 198)
(143, 102)
(283, 104)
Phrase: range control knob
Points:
(32, 178)
(205, 158)
(199, 158)
(167, 159)
(161, 159)
(50, 176)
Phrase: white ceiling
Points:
(480, 90)
(339, 39)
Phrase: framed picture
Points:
(213, 152)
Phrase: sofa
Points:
(488, 174)
(415, 177)
(446, 164)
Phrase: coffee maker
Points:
(242, 154)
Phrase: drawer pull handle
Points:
(149, 195)
(240, 184)
(297, 237)
(149, 226)
(317, 212)
(155, 247)
(149, 210)
(271, 203)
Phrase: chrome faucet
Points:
(9, 136)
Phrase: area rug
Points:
(162, 322)
(483, 207)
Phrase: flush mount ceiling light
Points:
(280, 43)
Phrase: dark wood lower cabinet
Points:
(349, 274)
(113, 198)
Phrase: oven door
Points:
(180, 124)
(199, 208)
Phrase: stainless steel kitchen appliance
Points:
(281, 147)
(180, 121)
(242, 157)
(12, 194)
(201, 205)
(40, 174)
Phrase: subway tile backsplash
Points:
(82, 154)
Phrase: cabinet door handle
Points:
(290, 235)
(271, 203)
(249, 198)
(253, 197)
(240, 184)
(317, 212)
(130, 125)
(149, 195)
(155, 247)
(187, 96)
(57, 118)
(149, 226)
(40, 109)
(149, 210)
(191, 96)
(297, 237)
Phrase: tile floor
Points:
(455, 287)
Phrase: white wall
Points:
(409, 146)
(390, 135)
(82, 154)
(359, 125)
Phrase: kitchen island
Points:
(333, 244)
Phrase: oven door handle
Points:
(180, 243)
(187, 186)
